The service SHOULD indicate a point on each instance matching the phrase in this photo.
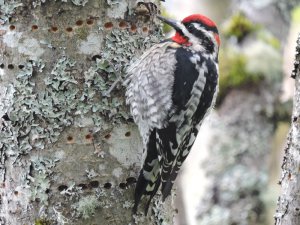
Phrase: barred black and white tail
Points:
(174, 155)
(149, 179)
(162, 163)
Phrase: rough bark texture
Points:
(288, 205)
(70, 154)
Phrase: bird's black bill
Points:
(170, 22)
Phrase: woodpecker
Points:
(170, 89)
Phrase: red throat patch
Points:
(178, 38)
(217, 37)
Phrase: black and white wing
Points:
(150, 86)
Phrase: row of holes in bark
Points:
(90, 137)
(11, 66)
(21, 66)
(108, 25)
(95, 184)
(78, 23)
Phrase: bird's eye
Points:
(190, 26)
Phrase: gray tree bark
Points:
(69, 153)
(288, 204)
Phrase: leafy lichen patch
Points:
(86, 206)
(30, 111)
(39, 180)
(7, 9)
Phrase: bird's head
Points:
(197, 31)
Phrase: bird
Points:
(170, 89)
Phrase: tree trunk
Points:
(69, 153)
(288, 204)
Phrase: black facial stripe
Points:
(206, 41)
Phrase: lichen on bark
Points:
(61, 139)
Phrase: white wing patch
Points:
(149, 88)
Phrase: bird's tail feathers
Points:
(149, 178)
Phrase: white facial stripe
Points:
(197, 26)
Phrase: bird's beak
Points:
(173, 23)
